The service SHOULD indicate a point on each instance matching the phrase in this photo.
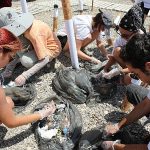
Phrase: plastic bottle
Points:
(65, 126)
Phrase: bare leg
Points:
(102, 48)
(81, 54)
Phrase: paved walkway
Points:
(40, 6)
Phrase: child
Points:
(87, 29)
(26, 40)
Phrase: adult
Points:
(26, 40)
(87, 29)
(130, 24)
(136, 55)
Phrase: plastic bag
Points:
(54, 135)
(21, 95)
(91, 140)
(73, 84)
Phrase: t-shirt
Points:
(148, 146)
(82, 27)
(44, 41)
(119, 41)
(146, 3)
(148, 95)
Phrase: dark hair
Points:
(133, 20)
(97, 21)
(137, 51)
(6, 50)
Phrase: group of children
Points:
(30, 41)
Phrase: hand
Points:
(20, 80)
(95, 60)
(47, 110)
(107, 145)
(110, 129)
(111, 74)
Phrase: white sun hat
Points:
(14, 22)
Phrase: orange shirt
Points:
(44, 41)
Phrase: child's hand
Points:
(112, 73)
(20, 80)
(95, 60)
(110, 129)
(107, 145)
(47, 110)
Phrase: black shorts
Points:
(146, 11)
(63, 40)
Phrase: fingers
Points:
(50, 107)
(111, 74)
(110, 129)
(95, 60)
(110, 56)
(107, 132)
(106, 145)
(106, 75)
(20, 80)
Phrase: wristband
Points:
(115, 142)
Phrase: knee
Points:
(27, 61)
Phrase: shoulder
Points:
(119, 41)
